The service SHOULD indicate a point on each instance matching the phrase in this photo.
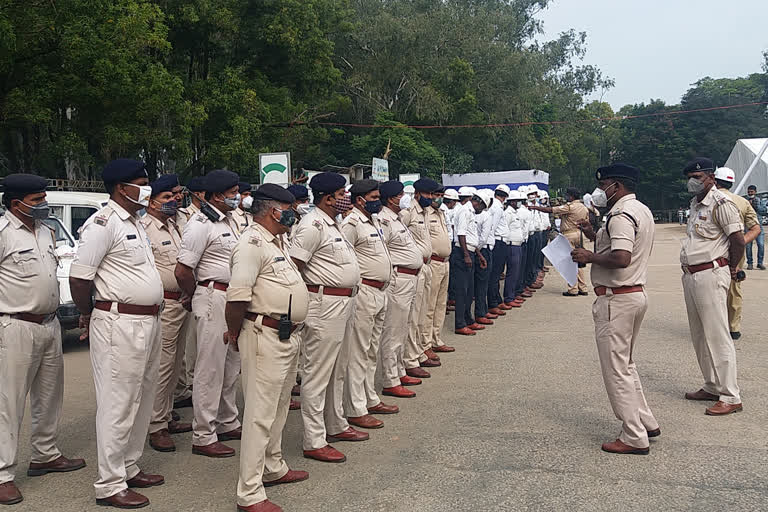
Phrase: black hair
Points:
(630, 185)
(208, 195)
(317, 197)
(572, 192)
(10, 196)
(724, 184)
(353, 197)
(109, 187)
(752, 187)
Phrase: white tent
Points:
(742, 156)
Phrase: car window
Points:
(62, 237)
(79, 215)
(57, 211)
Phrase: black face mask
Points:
(287, 217)
(373, 207)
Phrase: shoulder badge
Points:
(101, 221)
(318, 223)
(255, 240)
(352, 220)
(201, 218)
(385, 222)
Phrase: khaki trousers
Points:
(216, 370)
(438, 298)
(31, 364)
(400, 296)
(617, 325)
(175, 321)
(706, 301)
(581, 286)
(187, 372)
(416, 340)
(325, 363)
(269, 373)
(362, 341)
(735, 302)
(125, 352)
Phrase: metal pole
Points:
(737, 190)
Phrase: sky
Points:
(656, 49)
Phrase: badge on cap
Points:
(599, 175)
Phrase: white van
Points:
(74, 208)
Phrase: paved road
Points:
(513, 421)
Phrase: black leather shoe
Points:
(735, 335)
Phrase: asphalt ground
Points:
(512, 421)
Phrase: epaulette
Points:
(353, 220)
(102, 216)
(318, 224)
(385, 222)
(3, 222)
(255, 240)
(201, 218)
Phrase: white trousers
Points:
(325, 364)
(216, 371)
(706, 297)
(362, 341)
(269, 373)
(400, 296)
(187, 373)
(31, 364)
(125, 354)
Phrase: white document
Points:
(558, 252)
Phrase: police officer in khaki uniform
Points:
(329, 267)
(362, 340)
(165, 238)
(619, 273)
(440, 240)
(203, 272)
(116, 287)
(407, 263)
(710, 258)
(242, 214)
(182, 396)
(724, 179)
(416, 218)
(265, 288)
(571, 214)
(31, 361)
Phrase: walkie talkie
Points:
(284, 330)
(207, 210)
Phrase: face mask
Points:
(373, 207)
(232, 202)
(599, 198)
(247, 203)
(287, 217)
(424, 201)
(40, 211)
(169, 208)
(144, 192)
(303, 208)
(436, 203)
(405, 202)
(695, 187)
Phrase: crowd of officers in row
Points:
(349, 292)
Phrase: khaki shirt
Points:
(206, 246)
(570, 214)
(439, 235)
(365, 236)
(416, 218)
(242, 218)
(631, 229)
(402, 247)
(183, 215)
(748, 216)
(115, 254)
(330, 260)
(264, 276)
(709, 225)
(28, 266)
(165, 239)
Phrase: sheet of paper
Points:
(558, 252)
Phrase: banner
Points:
(408, 180)
(275, 168)
(380, 170)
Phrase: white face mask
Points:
(232, 202)
(247, 203)
(145, 191)
(405, 202)
(696, 186)
(304, 208)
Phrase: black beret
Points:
(426, 185)
(699, 164)
(618, 170)
(196, 184)
(220, 180)
(164, 183)
(327, 182)
(244, 187)
(440, 190)
(298, 191)
(24, 184)
(273, 192)
(123, 170)
(390, 189)
(362, 187)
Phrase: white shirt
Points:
(466, 225)
(499, 222)
(485, 229)
(515, 226)
(526, 217)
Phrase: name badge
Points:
(131, 237)
(226, 234)
(337, 240)
(167, 242)
(279, 258)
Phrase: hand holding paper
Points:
(558, 252)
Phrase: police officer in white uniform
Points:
(119, 293)
(203, 273)
(31, 361)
